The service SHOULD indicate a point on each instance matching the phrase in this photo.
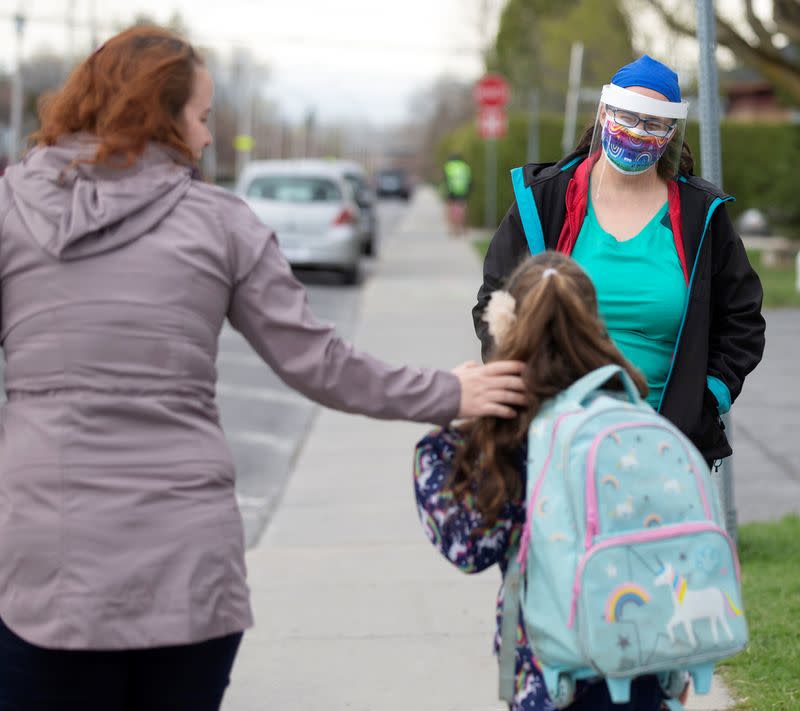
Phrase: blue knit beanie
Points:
(651, 74)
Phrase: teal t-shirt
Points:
(641, 292)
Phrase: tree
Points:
(176, 23)
(532, 49)
(437, 110)
(756, 42)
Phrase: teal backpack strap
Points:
(590, 382)
(531, 224)
(673, 704)
(508, 628)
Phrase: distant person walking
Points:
(122, 574)
(457, 187)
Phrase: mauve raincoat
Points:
(118, 520)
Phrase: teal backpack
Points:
(624, 567)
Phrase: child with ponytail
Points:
(470, 479)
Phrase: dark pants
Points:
(188, 677)
(646, 695)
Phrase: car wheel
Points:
(369, 246)
(351, 275)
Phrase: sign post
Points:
(491, 96)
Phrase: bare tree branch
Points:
(731, 39)
(670, 20)
(774, 65)
(786, 14)
(764, 36)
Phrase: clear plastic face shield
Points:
(636, 135)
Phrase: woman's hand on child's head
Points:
(491, 390)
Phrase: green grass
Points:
(766, 676)
(481, 245)
(778, 282)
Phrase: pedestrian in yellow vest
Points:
(457, 186)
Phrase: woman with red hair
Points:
(122, 577)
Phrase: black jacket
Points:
(723, 330)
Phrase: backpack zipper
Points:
(592, 515)
(525, 539)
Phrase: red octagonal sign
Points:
(491, 90)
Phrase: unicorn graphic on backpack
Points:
(692, 605)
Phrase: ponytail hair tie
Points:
(550, 271)
(500, 314)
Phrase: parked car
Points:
(354, 174)
(313, 210)
(393, 182)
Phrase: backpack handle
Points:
(581, 389)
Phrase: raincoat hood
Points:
(76, 210)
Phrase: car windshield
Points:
(394, 175)
(294, 188)
(356, 181)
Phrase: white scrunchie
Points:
(500, 314)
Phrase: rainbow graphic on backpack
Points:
(624, 567)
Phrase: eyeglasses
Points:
(629, 119)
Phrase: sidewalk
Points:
(354, 608)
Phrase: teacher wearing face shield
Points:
(674, 284)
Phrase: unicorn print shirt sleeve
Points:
(458, 530)
(455, 526)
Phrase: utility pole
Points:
(711, 160)
(244, 109)
(208, 161)
(93, 25)
(533, 127)
(710, 153)
(70, 25)
(573, 96)
(309, 127)
(15, 123)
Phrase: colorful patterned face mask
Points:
(631, 151)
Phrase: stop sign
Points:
(491, 90)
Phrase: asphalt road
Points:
(264, 420)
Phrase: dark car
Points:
(393, 182)
(356, 176)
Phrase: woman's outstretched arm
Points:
(270, 308)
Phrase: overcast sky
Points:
(355, 58)
(361, 59)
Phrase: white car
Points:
(355, 174)
(313, 210)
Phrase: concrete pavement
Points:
(354, 608)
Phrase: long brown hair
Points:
(129, 92)
(560, 336)
(675, 154)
